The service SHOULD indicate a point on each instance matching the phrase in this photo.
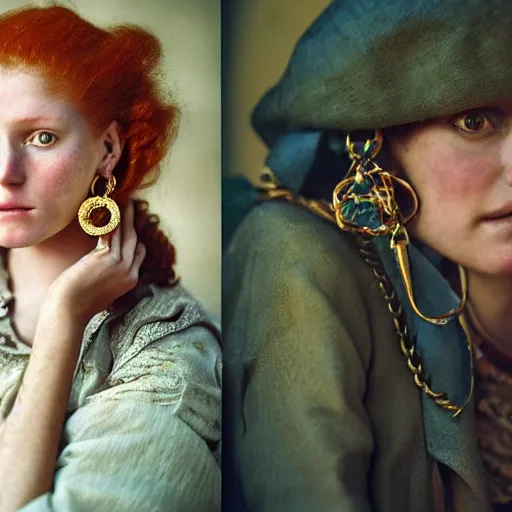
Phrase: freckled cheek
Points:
(62, 173)
(450, 182)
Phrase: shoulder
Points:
(164, 350)
(289, 240)
(170, 318)
(173, 304)
(307, 279)
(148, 314)
(159, 340)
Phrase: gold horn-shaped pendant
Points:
(399, 242)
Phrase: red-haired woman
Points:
(109, 372)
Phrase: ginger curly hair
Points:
(108, 74)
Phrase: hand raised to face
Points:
(106, 273)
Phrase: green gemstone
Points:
(349, 210)
(369, 148)
(362, 188)
(368, 216)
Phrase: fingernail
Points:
(102, 244)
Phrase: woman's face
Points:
(461, 169)
(48, 159)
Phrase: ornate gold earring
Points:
(93, 203)
(365, 203)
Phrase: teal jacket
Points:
(321, 409)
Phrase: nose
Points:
(11, 172)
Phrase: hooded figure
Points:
(367, 287)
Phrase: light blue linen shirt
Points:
(144, 415)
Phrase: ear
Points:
(112, 148)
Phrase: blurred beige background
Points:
(258, 38)
(187, 196)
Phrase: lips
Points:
(5, 207)
(498, 215)
(491, 217)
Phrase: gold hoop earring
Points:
(365, 203)
(93, 203)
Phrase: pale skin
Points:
(461, 169)
(48, 159)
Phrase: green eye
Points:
(42, 139)
(45, 138)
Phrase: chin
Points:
(502, 270)
(495, 263)
(17, 238)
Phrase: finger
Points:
(129, 241)
(103, 243)
(115, 244)
(138, 258)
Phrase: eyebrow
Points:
(29, 120)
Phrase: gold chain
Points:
(270, 189)
(395, 308)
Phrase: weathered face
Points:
(461, 169)
(48, 159)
